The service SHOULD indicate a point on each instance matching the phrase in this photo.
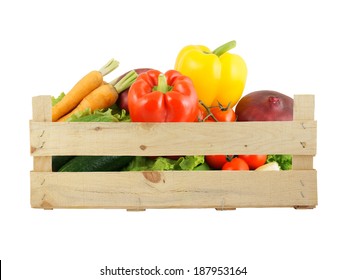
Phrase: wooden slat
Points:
(41, 112)
(173, 138)
(304, 105)
(302, 162)
(176, 189)
(303, 110)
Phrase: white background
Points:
(295, 47)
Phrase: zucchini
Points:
(59, 161)
(96, 163)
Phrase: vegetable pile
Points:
(203, 86)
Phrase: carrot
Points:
(104, 96)
(81, 89)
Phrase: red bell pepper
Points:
(157, 97)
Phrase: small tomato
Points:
(236, 164)
(222, 114)
(254, 161)
(216, 161)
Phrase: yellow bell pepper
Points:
(218, 76)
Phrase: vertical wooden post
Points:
(42, 112)
(303, 110)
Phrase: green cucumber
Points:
(59, 161)
(96, 163)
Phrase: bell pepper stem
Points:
(224, 48)
(162, 85)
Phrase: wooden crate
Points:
(174, 189)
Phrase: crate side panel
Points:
(41, 108)
(304, 105)
(41, 111)
(144, 190)
(303, 110)
(173, 138)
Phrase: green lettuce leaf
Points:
(161, 163)
(122, 115)
(140, 163)
(190, 162)
(96, 116)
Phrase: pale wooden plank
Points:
(304, 105)
(303, 110)
(173, 138)
(174, 189)
(41, 108)
(41, 112)
(302, 162)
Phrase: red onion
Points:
(265, 105)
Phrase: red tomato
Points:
(236, 164)
(222, 114)
(216, 161)
(254, 161)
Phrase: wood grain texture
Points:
(173, 138)
(173, 189)
(41, 112)
(303, 110)
(304, 105)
